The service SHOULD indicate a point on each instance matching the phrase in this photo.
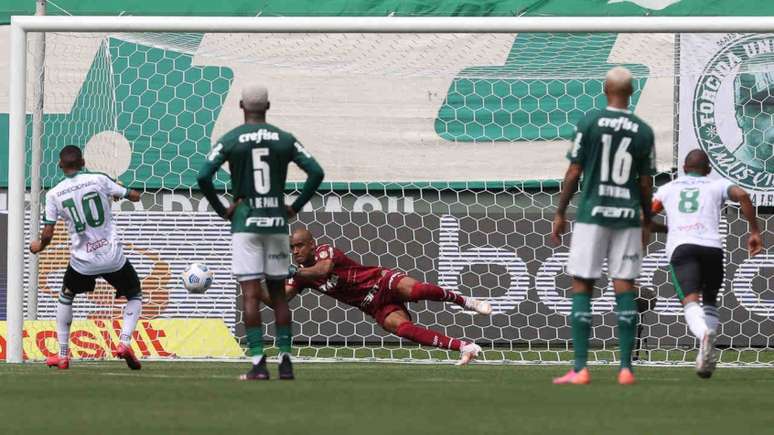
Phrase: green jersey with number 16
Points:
(615, 148)
(258, 156)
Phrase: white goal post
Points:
(21, 26)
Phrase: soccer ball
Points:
(197, 278)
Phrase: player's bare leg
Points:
(412, 290)
(252, 311)
(400, 324)
(64, 318)
(282, 318)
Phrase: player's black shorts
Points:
(696, 268)
(124, 280)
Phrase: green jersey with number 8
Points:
(258, 156)
(615, 148)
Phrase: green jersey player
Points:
(258, 155)
(613, 150)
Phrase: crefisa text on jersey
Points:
(620, 123)
(259, 136)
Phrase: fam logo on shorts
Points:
(733, 110)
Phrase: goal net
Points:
(443, 154)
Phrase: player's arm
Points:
(321, 269)
(569, 186)
(49, 226)
(314, 177)
(46, 235)
(214, 161)
(655, 209)
(576, 157)
(646, 171)
(754, 243)
(118, 191)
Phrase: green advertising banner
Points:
(400, 7)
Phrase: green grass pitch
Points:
(371, 399)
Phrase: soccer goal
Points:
(443, 141)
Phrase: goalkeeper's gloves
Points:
(292, 269)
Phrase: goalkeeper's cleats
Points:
(707, 357)
(626, 377)
(285, 367)
(125, 352)
(257, 373)
(479, 306)
(469, 352)
(582, 377)
(60, 362)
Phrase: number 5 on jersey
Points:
(261, 175)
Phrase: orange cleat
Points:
(62, 363)
(582, 377)
(127, 354)
(626, 377)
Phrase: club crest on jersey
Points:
(733, 111)
(323, 254)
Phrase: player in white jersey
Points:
(83, 200)
(694, 246)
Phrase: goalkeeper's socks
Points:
(284, 338)
(255, 343)
(711, 317)
(581, 328)
(428, 337)
(694, 317)
(423, 291)
(132, 312)
(64, 318)
(627, 326)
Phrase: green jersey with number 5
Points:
(258, 156)
(615, 148)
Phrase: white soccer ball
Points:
(197, 278)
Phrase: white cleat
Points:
(707, 358)
(479, 306)
(469, 352)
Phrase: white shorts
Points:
(258, 256)
(591, 244)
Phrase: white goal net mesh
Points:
(442, 153)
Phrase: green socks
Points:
(255, 340)
(581, 328)
(284, 338)
(627, 326)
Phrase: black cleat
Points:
(286, 368)
(257, 373)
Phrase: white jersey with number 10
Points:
(84, 201)
(692, 205)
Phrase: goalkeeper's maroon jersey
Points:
(349, 281)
